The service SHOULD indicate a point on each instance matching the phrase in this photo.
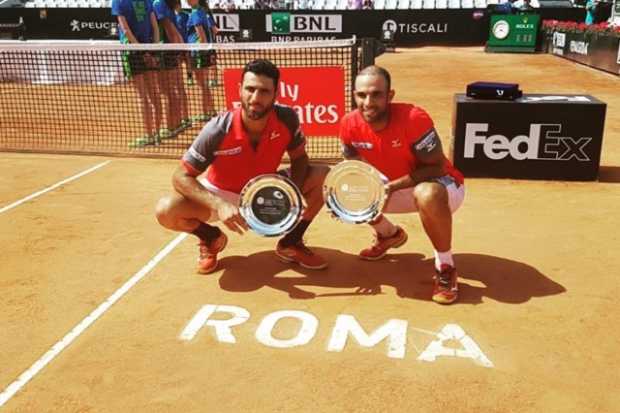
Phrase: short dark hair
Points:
(377, 71)
(263, 67)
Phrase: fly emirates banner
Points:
(316, 94)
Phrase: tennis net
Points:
(102, 97)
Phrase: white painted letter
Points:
(472, 138)
(454, 332)
(496, 147)
(222, 327)
(309, 324)
(394, 328)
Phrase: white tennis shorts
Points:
(402, 201)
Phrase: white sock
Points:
(443, 258)
(384, 227)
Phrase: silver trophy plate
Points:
(354, 192)
(271, 204)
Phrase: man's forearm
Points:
(427, 172)
(400, 183)
(419, 175)
(191, 189)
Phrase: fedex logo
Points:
(544, 142)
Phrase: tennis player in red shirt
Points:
(231, 149)
(400, 140)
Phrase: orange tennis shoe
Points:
(207, 261)
(446, 289)
(382, 244)
(300, 254)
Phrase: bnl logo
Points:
(227, 22)
(286, 23)
(544, 142)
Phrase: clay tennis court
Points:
(537, 260)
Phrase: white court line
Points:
(38, 365)
(49, 188)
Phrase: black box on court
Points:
(493, 90)
(538, 136)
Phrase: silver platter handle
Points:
(354, 192)
(271, 204)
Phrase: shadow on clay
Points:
(609, 174)
(410, 275)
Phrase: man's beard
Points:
(376, 117)
(256, 114)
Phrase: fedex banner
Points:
(319, 108)
(535, 137)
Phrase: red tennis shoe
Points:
(382, 244)
(301, 255)
(207, 261)
(446, 289)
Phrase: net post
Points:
(354, 69)
(371, 48)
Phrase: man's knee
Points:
(163, 211)
(430, 194)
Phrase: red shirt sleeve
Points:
(419, 123)
(189, 168)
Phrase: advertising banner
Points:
(535, 137)
(410, 27)
(85, 24)
(285, 26)
(319, 108)
(422, 27)
(599, 51)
